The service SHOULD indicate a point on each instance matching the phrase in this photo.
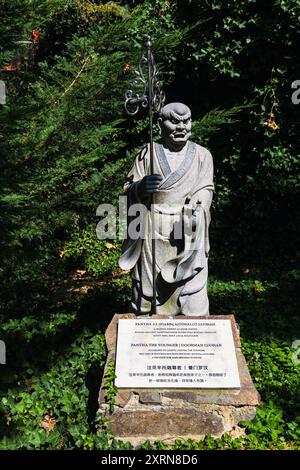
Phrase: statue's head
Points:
(175, 123)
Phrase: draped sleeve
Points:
(131, 248)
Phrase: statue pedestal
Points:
(168, 414)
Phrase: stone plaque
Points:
(176, 354)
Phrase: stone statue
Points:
(182, 188)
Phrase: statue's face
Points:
(176, 129)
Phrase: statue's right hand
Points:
(150, 184)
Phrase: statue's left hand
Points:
(195, 210)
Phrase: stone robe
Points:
(181, 261)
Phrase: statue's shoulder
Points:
(202, 152)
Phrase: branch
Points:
(74, 81)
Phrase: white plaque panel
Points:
(176, 354)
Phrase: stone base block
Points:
(170, 414)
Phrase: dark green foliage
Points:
(65, 147)
(63, 393)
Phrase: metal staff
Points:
(152, 97)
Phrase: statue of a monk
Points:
(182, 189)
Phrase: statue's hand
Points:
(195, 211)
(149, 184)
